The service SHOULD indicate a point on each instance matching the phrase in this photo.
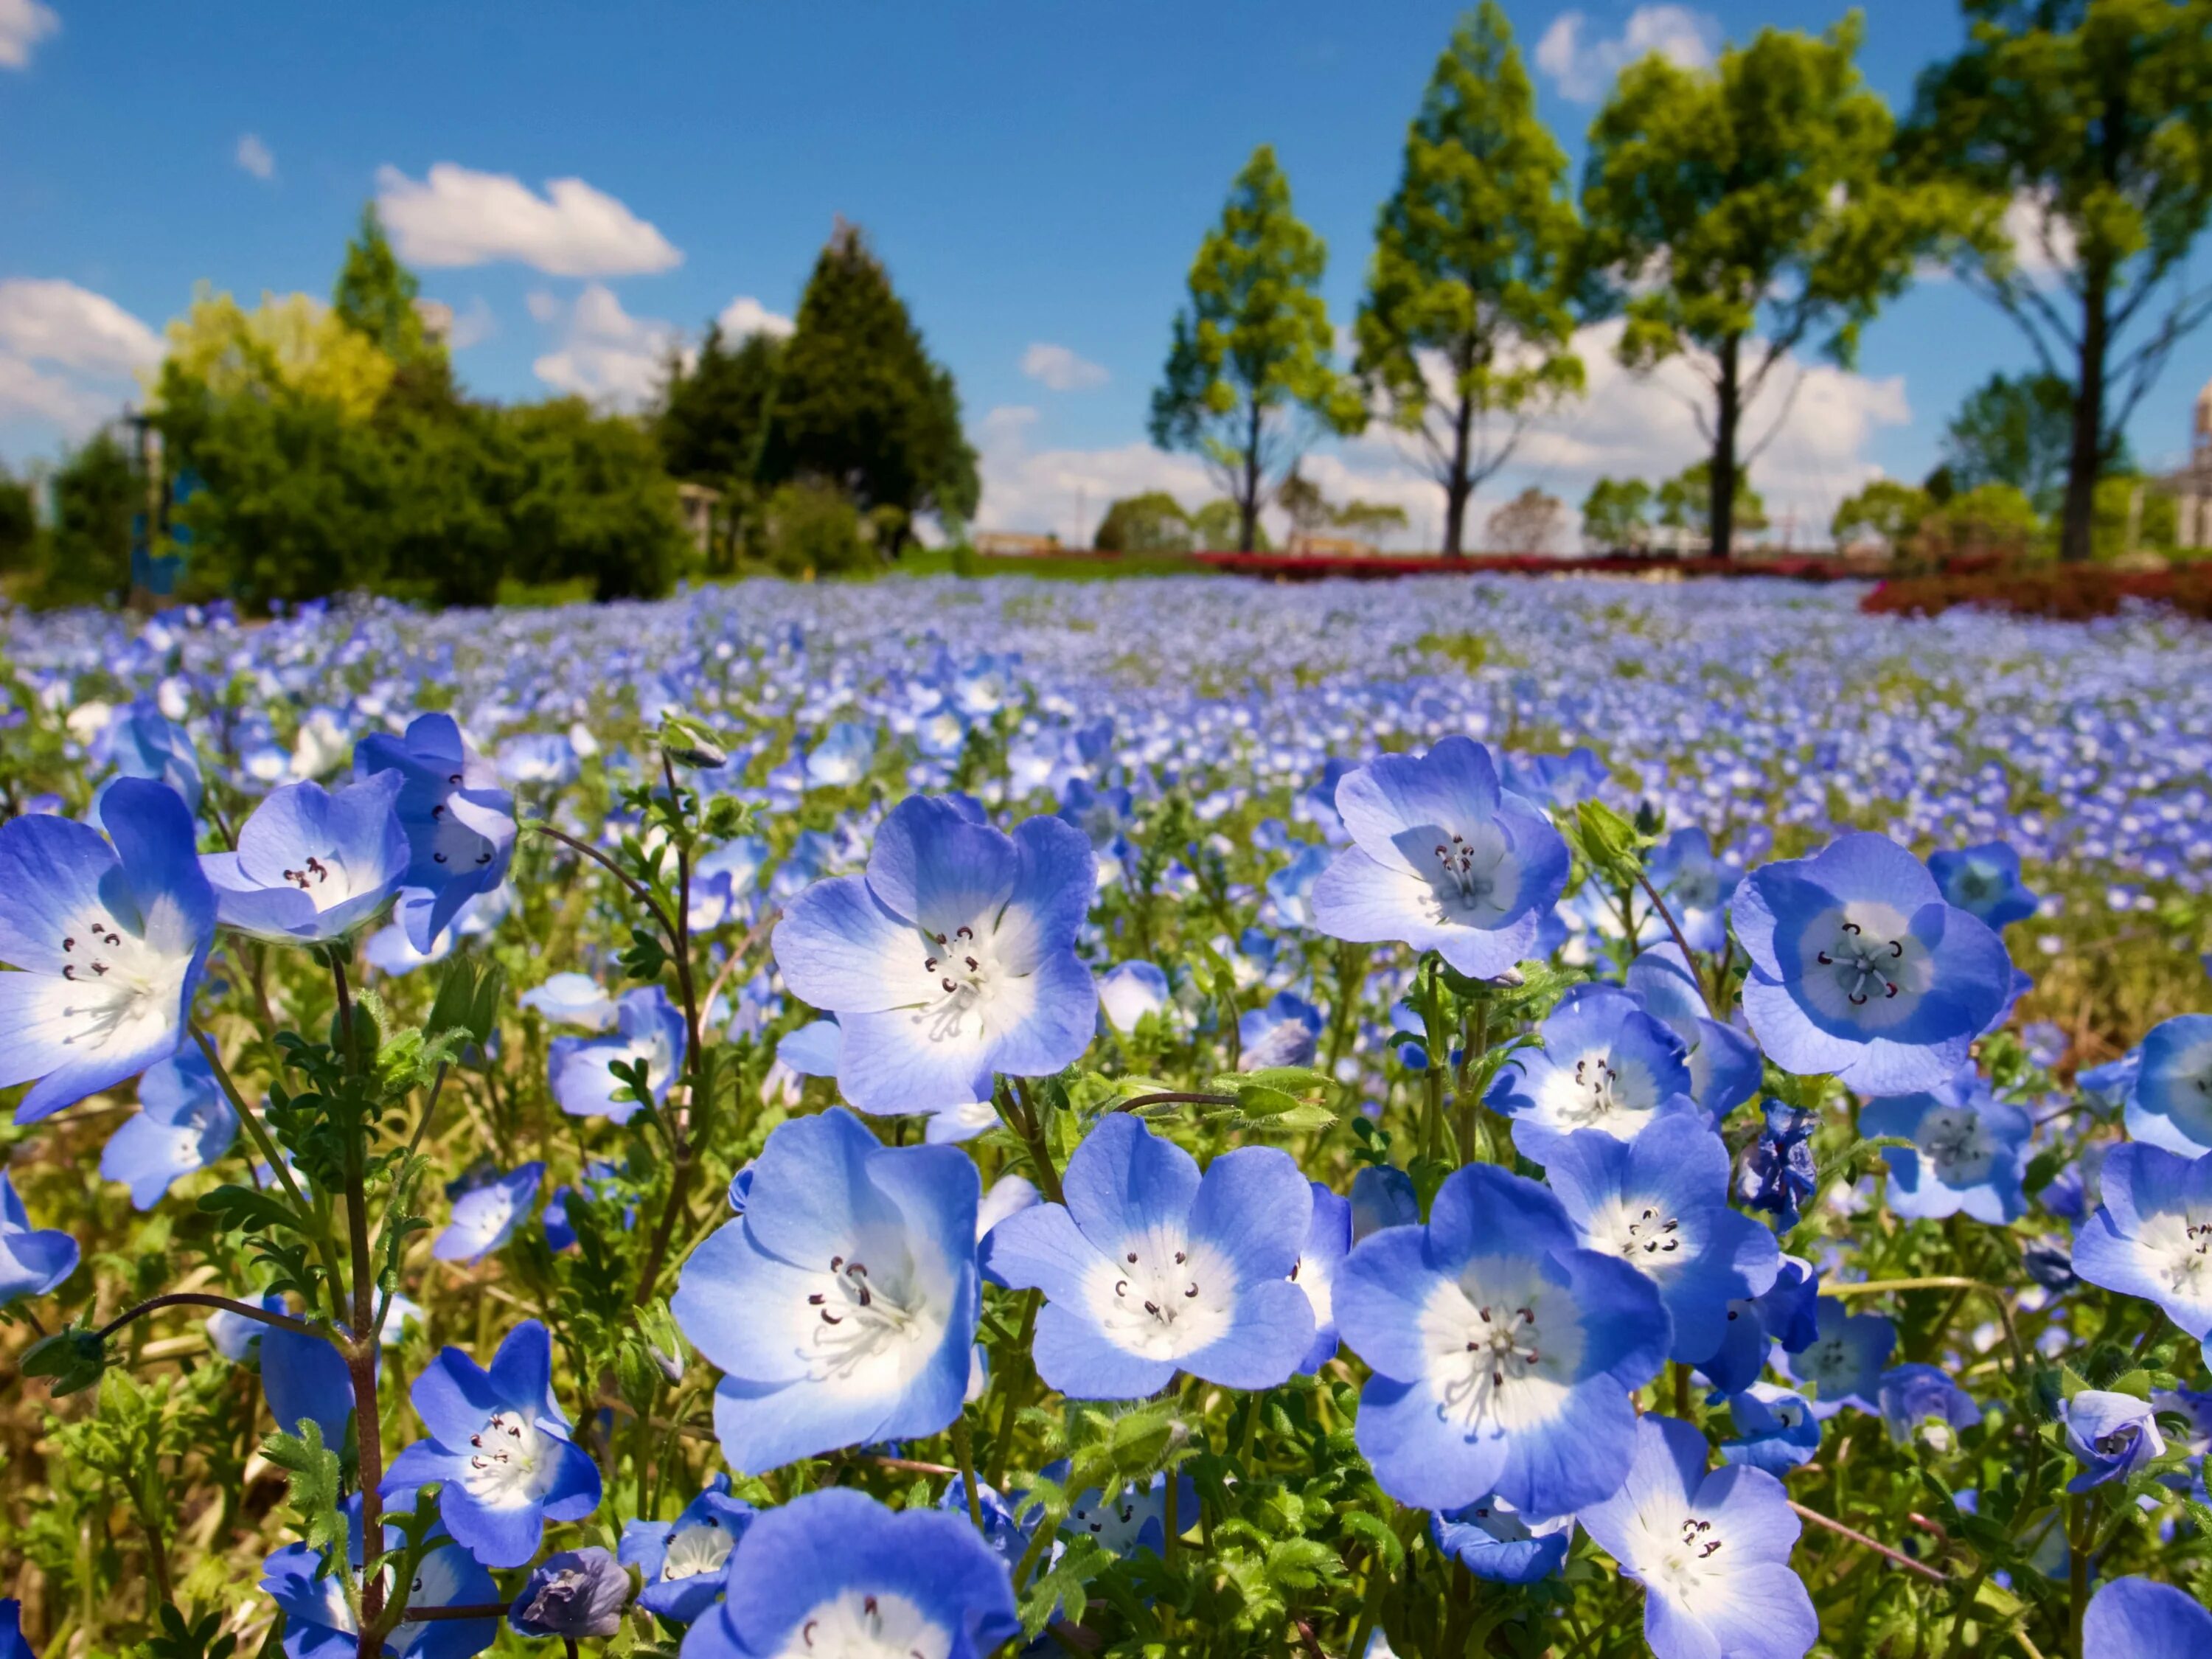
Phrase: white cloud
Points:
(458, 217)
(2042, 242)
(1066, 491)
(1582, 65)
(23, 24)
(542, 307)
(745, 315)
(605, 353)
(67, 355)
(1062, 370)
(471, 327)
(256, 157)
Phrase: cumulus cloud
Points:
(23, 24)
(1067, 490)
(2042, 242)
(67, 355)
(745, 315)
(256, 157)
(1059, 369)
(603, 353)
(1583, 63)
(471, 327)
(456, 216)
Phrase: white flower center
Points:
(1686, 1563)
(1472, 878)
(856, 1625)
(1640, 1232)
(1504, 1344)
(695, 1549)
(1315, 1278)
(1162, 1297)
(863, 1318)
(118, 982)
(1861, 966)
(1600, 1090)
(508, 1466)
(963, 966)
(2179, 1244)
(1958, 1143)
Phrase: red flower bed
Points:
(2066, 593)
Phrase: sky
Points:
(583, 183)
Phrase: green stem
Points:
(964, 1453)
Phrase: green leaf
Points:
(1375, 1534)
(72, 1359)
(314, 1468)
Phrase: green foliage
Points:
(19, 525)
(810, 527)
(2134, 515)
(312, 1469)
(1219, 524)
(96, 493)
(594, 504)
(376, 297)
(1473, 257)
(1251, 355)
(1685, 502)
(1153, 522)
(1991, 518)
(1890, 512)
(1616, 514)
(1310, 511)
(2013, 429)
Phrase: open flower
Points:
(1967, 1156)
(320, 1623)
(1845, 1359)
(682, 1561)
(1984, 881)
(841, 1304)
(312, 865)
(1606, 1064)
(1696, 885)
(32, 1259)
(2169, 1100)
(1723, 1063)
(182, 1125)
(1775, 1429)
(459, 823)
(1328, 1240)
(2142, 1619)
(1491, 1541)
(486, 1210)
(648, 1029)
(2152, 1235)
(1150, 1269)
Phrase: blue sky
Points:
(1035, 176)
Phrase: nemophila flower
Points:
(1659, 1203)
(320, 1622)
(110, 936)
(1002, 1527)
(1135, 1521)
(304, 1379)
(572, 1000)
(312, 865)
(842, 756)
(1711, 1549)
(724, 881)
(1605, 1065)
(950, 960)
(1969, 1150)
(1984, 881)
(2194, 1408)
(1130, 990)
(649, 1030)
(12, 1644)
(486, 1212)
(1696, 885)
(2142, 1619)
(2152, 1235)
(182, 1125)
(32, 1259)
(573, 1593)
(842, 1303)
(1383, 1196)
(2110, 1084)
(1859, 967)
(1778, 1173)
(2111, 1436)
(1563, 781)
(1328, 1240)
(1845, 1359)
(2170, 1103)
(500, 1445)
(1775, 1429)
(1723, 1064)
(1442, 859)
(836, 1574)
(1920, 1400)
(1286, 1032)
(1503, 1353)
(1491, 1541)
(539, 757)
(560, 1233)
(459, 823)
(682, 1561)
(1292, 886)
(142, 742)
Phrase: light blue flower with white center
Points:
(142, 742)
(500, 1443)
(1292, 887)
(32, 1259)
(1861, 969)
(1562, 780)
(487, 1211)
(1711, 1549)
(2110, 1084)
(1968, 1154)
(1329, 1240)
(2169, 1103)
(1659, 1203)
(2142, 1619)
(1286, 1032)
(1492, 1541)
(1606, 1064)
(1696, 885)
(841, 757)
(2151, 1236)
(1150, 1269)
(182, 1125)
(1984, 881)
(725, 882)
(682, 1561)
(111, 938)
(1442, 859)
(841, 1305)
(1775, 1429)
(1921, 1400)
(459, 823)
(2111, 1436)
(572, 998)
(1135, 1522)
(648, 1032)
(546, 759)
(312, 865)
(1383, 1196)
(951, 960)
(320, 1622)
(1845, 1359)
(1128, 991)
(836, 1574)
(1723, 1063)
(1503, 1353)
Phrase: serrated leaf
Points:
(314, 1468)
(1373, 1531)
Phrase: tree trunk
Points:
(2086, 458)
(1457, 490)
(1247, 498)
(1727, 419)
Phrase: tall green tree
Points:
(2091, 120)
(1249, 370)
(1737, 213)
(1152, 522)
(97, 490)
(1466, 316)
(860, 405)
(19, 525)
(712, 417)
(1616, 515)
(2016, 430)
(378, 297)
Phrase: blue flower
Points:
(1128, 991)
(1441, 858)
(1136, 1522)
(183, 1124)
(1561, 780)
(1605, 1065)
(459, 823)
(1711, 1551)
(486, 1212)
(1659, 1203)
(1696, 885)
(1292, 886)
(1859, 967)
(648, 1029)
(1984, 881)
(572, 1594)
(2169, 1103)
(1723, 1063)
(1492, 1541)
(835, 1572)
(1968, 1152)
(1845, 1359)
(1909, 1395)
(547, 757)
(2112, 1436)
(2149, 1236)
(1775, 1429)
(110, 940)
(842, 756)
(1504, 1353)
(572, 1000)
(303, 1378)
(841, 1304)
(32, 1259)
(312, 865)
(1778, 1173)
(2142, 1619)
(560, 1234)
(1286, 1032)
(145, 743)
(320, 1624)
(500, 1446)
(1328, 1239)
(1150, 1269)
(12, 1643)
(1383, 1196)
(723, 881)
(682, 1561)
(951, 960)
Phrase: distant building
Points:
(1015, 544)
(1307, 544)
(2192, 484)
(695, 504)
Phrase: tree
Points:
(1890, 512)
(1737, 213)
(859, 402)
(1616, 514)
(1990, 518)
(593, 503)
(293, 345)
(713, 415)
(1153, 522)
(19, 525)
(2087, 123)
(2016, 430)
(1466, 315)
(1220, 521)
(97, 490)
(1250, 354)
(1687, 502)
(379, 298)
(1529, 523)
